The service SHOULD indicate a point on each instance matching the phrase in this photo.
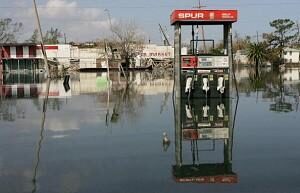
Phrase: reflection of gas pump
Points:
(205, 83)
(221, 109)
(190, 136)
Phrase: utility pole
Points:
(202, 28)
(298, 33)
(109, 18)
(65, 37)
(41, 37)
(166, 40)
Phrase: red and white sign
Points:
(206, 16)
(19, 91)
(27, 51)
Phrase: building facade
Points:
(291, 55)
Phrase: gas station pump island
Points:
(203, 110)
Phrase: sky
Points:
(88, 20)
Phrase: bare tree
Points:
(8, 30)
(34, 37)
(128, 38)
(52, 36)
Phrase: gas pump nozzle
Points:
(221, 85)
(189, 85)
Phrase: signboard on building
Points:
(157, 52)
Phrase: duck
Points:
(166, 141)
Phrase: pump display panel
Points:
(213, 62)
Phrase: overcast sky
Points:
(84, 20)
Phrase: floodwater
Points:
(93, 139)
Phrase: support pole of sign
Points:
(177, 99)
(178, 132)
(177, 60)
(226, 38)
(230, 54)
(230, 61)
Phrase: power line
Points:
(152, 6)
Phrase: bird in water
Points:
(166, 141)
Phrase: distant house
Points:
(291, 55)
(240, 57)
(28, 56)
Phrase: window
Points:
(291, 53)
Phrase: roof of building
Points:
(18, 44)
(291, 50)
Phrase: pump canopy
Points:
(205, 17)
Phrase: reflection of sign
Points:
(215, 16)
(56, 90)
(281, 107)
(226, 179)
(50, 94)
(205, 173)
(19, 91)
(205, 133)
(101, 83)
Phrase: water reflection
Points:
(77, 151)
(39, 147)
(118, 94)
(66, 113)
(203, 126)
(282, 89)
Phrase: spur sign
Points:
(213, 16)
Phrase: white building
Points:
(291, 55)
(241, 57)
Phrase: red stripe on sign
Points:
(20, 92)
(48, 47)
(32, 51)
(34, 91)
(7, 91)
(19, 51)
(6, 52)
